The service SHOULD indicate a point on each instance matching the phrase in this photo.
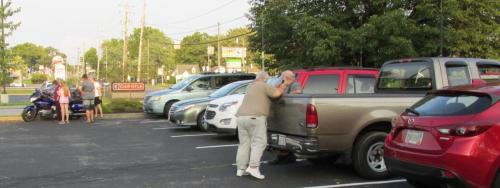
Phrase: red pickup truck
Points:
(341, 80)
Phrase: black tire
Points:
(372, 141)
(166, 109)
(29, 115)
(200, 122)
(496, 182)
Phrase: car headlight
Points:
(224, 106)
(33, 99)
(156, 98)
(182, 108)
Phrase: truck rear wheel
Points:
(368, 155)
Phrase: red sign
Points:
(134, 87)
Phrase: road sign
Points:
(234, 52)
(130, 87)
(210, 50)
(60, 71)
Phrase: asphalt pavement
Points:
(146, 153)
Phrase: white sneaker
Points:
(255, 173)
(240, 173)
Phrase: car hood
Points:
(229, 98)
(203, 100)
(161, 92)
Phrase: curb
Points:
(106, 116)
(12, 107)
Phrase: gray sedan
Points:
(191, 112)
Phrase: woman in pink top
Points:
(64, 95)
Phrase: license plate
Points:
(414, 137)
(282, 140)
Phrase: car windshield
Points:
(223, 91)
(184, 82)
(451, 104)
(406, 76)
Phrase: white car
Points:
(220, 113)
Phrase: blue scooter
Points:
(44, 106)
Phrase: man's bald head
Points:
(288, 74)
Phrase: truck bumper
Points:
(301, 146)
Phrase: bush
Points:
(121, 105)
(38, 78)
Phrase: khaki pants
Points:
(252, 132)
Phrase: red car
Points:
(450, 137)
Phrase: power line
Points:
(207, 27)
(204, 14)
(224, 39)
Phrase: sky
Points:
(75, 25)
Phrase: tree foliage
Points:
(348, 32)
(34, 55)
(7, 27)
(190, 53)
(90, 57)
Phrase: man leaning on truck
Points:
(251, 121)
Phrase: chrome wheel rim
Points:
(375, 157)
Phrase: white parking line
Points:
(217, 146)
(165, 128)
(153, 121)
(359, 184)
(192, 135)
(262, 162)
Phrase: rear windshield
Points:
(489, 72)
(406, 76)
(451, 104)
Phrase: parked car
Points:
(191, 112)
(449, 137)
(195, 86)
(220, 115)
(329, 120)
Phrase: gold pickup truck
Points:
(324, 125)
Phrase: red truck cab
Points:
(342, 80)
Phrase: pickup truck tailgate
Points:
(288, 115)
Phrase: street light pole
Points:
(441, 29)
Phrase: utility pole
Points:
(147, 62)
(139, 59)
(98, 67)
(125, 42)
(262, 44)
(441, 29)
(106, 62)
(2, 49)
(218, 46)
(84, 64)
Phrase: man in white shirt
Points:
(98, 98)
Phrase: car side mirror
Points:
(189, 88)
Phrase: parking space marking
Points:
(217, 146)
(193, 135)
(165, 128)
(359, 184)
(262, 162)
(153, 121)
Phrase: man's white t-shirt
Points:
(97, 87)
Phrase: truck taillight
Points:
(311, 116)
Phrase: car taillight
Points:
(311, 116)
(465, 130)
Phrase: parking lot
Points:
(145, 153)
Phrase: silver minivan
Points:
(195, 86)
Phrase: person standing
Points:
(64, 94)
(252, 124)
(88, 91)
(98, 99)
(56, 100)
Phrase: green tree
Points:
(35, 55)
(6, 27)
(348, 32)
(161, 52)
(194, 49)
(112, 52)
(91, 58)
